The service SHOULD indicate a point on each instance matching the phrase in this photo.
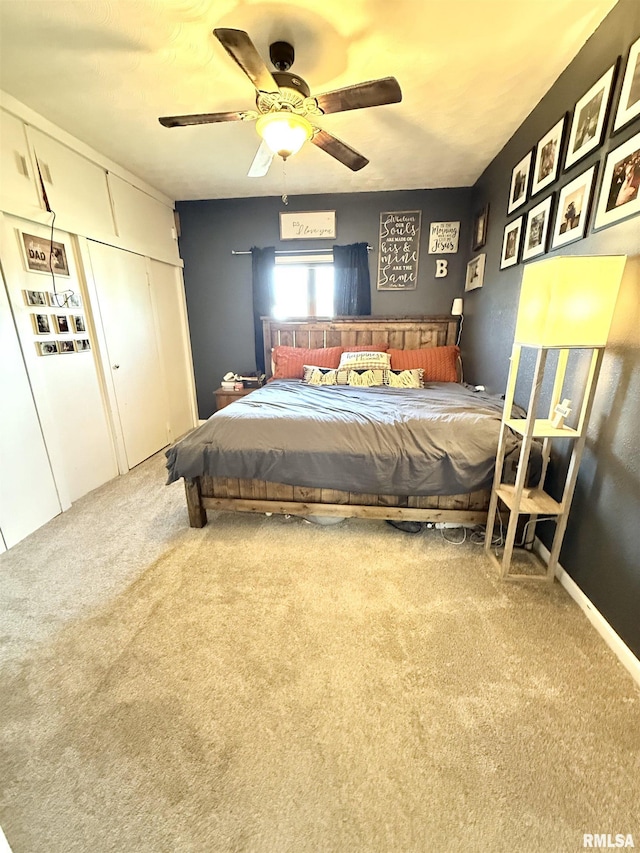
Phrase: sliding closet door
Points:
(28, 496)
(133, 363)
(167, 294)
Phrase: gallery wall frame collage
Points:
(562, 214)
(58, 312)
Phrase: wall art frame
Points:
(629, 100)
(46, 348)
(78, 323)
(511, 244)
(572, 211)
(519, 183)
(536, 231)
(35, 298)
(547, 163)
(43, 255)
(620, 185)
(475, 272)
(309, 225)
(480, 228)
(62, 324)
(589, 118)
(399, 249)
(41, 324)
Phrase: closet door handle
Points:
(116, 366)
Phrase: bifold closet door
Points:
(126, 314)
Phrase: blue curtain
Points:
(352, 283)
(262, 266)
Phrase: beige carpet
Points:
(265, 684)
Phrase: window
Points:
(303, 286)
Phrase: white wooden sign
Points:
(315, 225)
(443, 238)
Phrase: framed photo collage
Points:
(59, 324)
(560, 214)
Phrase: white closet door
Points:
(28, 496)
(167, 293)
(133, 363)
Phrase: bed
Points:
(326, 451)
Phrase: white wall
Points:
(43, 170)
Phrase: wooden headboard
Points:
(396, 332)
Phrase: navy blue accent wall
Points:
(218, 284)
(601, 550)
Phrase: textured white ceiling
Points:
(470, 72)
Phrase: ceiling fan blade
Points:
(375, 93)
(202, 118)
(261, 162)
(340, 150)
(240, 48)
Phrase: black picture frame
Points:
(480, 227)
(547, 161)
(619, 195)
(573, 208)
(537, 229)
(511, 240)
(519, 186)
(629, 99)
(590, 118)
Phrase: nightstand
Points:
(225, 396)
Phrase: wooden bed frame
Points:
(222, 493)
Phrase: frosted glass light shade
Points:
(456, 308)
(285, 133)
(569, 301)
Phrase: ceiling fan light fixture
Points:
(285, 133)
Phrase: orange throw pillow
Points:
(289, 362)
(440, 364)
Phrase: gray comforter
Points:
(439, 440)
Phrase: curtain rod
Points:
(294, 251)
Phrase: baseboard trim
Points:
(617, 645)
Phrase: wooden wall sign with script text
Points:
(398, 250)
(314, 225)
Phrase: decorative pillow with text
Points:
(365, 360)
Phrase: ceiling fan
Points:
(285, 107)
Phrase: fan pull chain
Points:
(285, 197)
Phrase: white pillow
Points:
(367, 360)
